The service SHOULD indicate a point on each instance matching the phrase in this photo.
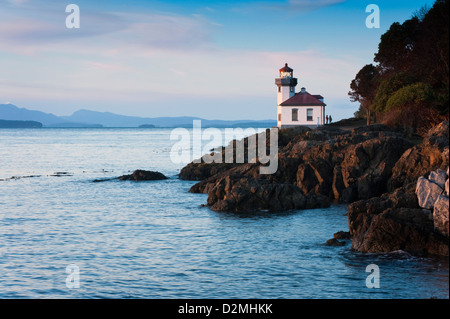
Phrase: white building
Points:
(295, 109)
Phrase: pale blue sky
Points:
(213, 59)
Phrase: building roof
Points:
(303, 98)
(286, 68)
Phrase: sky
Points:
(211, 59)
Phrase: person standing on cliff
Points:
(330, 119)
(326, 119)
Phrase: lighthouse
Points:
(297, 109)
(286, 84)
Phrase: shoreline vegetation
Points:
(408, 84)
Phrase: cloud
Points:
(290, 6)
(151, 58)
(309, 5)
(167, 31)
(37, 29)
(14, 2)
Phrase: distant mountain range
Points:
(87, 118)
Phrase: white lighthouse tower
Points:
(285, 88)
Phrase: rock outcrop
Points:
(321, 163)
(413, 218)
(427, 156)
(408, 229)
(427, 192)
(433, 194)
(413, 214)
(202, 171)
(142, 175)
(248, 194)
(397, 189)
(440, 215)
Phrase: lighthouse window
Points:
(292, 89)
(279, 117)
(309, 114)
(279, 89)
(294, 115)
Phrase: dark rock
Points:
(392, 222)
(353, 165)
(342, 235)
(438, 177)
(338, 183)
(238, 171)
(427, 192)
(427, 156)
(249, 194)
(328, 162)
(401, 197)
(102, 180)
(202, 171)
(349, 194)
(314, 176)
(142, 175)
(408, 229)
(440, 215)
(366, 166)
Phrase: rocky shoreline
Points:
(373, 168)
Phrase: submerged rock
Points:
(103, 180)
(142, 175)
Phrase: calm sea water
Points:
(153, 240)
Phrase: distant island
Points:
(20, 124)
(94, 119)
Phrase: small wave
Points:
(399, 253)
(59, 174)
(18, 177)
